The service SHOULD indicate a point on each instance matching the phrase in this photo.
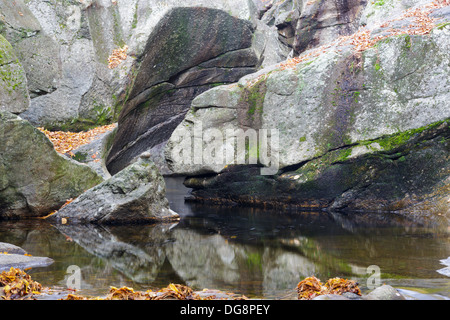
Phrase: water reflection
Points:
(259, 253)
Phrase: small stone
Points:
(384, 292)
(146, 155)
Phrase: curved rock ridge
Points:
(190, 51)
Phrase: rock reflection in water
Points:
(256, 252)
(200, 257)
(261, 253)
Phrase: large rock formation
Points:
(190, 51)
(67, 68)
(64, 48)
(34, 178)
(357, 130)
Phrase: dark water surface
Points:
(258, 253)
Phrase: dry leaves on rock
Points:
(175, 291)
(66, 142)
(117, 56)
(125, 293)
(171, 292)
(363, 39)
(311, 287)
(340, 286)
(16, 284)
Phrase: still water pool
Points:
(255, 252)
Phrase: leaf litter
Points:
(66, 142)
(16, 284)
(311, 287)
(172, 292)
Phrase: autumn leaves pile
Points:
(16, 284)
(311, 288)
(66, 142)
(172, 292)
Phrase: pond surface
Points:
(258, 253)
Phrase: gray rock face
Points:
(34, 178)
(384, 292)
(135, 195)
(67, 68)
(13, 82)
(71, 41)
(377, 12)
(190, 51)
(352, 131)
(278, 20)
(93, 153)
(322, 21)
(57, 58)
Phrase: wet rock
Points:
(342, 144)
(34, 178)
(12, 256)
(351, 296)
(8, 261)
(135, 195)
(384, 292)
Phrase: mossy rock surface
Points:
(13, 82)
(35, 179)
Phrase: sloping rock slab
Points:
(12, 256)
(8, 261)
(190, 51)
(11, 249)
(135, 195)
